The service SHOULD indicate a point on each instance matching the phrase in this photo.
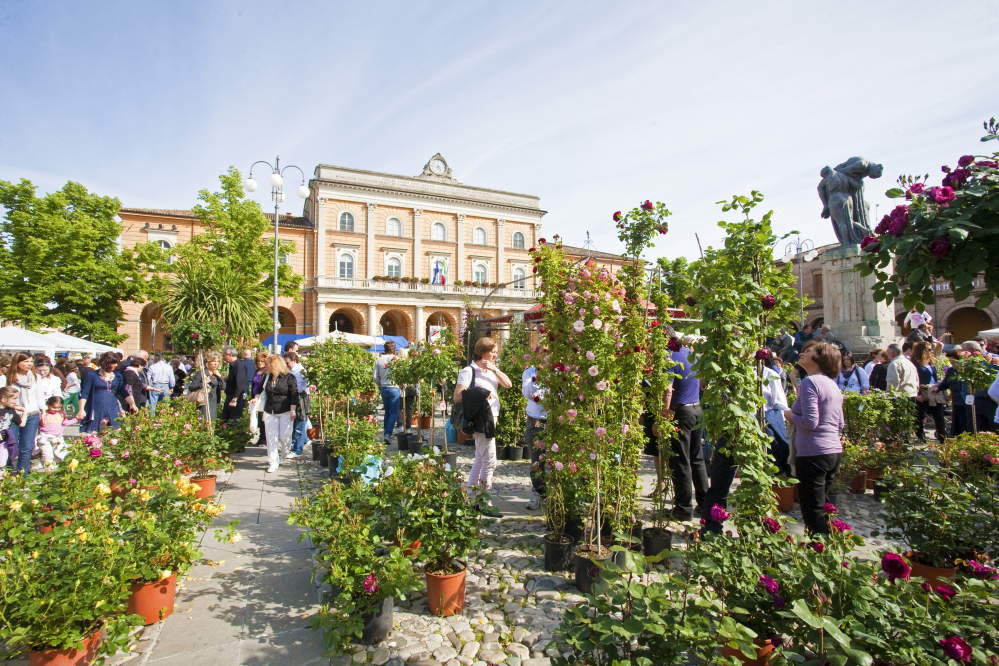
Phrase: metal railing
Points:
(386, 285)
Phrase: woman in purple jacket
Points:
(817, 414)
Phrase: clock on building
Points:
(438, 167)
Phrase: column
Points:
(372, 320)
(420, 325)
(369, 252)
(500, 240)
(321, 322)
(460, 259)
(320, 240)
(417, 242)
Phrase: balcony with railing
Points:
(390, 285)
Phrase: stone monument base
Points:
(848, 303)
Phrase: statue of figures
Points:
(842, 193)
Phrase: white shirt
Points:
(46, 388)
(161, 372)
(994, 394)
(854, 382)
(298, 372)
(773, 390)
(902, 376)
(72, 383)
(870, 368)
(528, 386)
(486, 379)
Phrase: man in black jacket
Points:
(235, 385)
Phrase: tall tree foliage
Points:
(224, 274)
(675, 279)
(62, 265)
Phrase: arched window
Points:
(481, 274)
(346, 265)
(283, 258)
(346, 222)
(166, 248)
(393, 226)
(438, 232)
(518, 241)
(479, 236)
(519, 274)
(393, 267)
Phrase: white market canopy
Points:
(69, 343)
(350, 338)
(991, 334)
(13, 339)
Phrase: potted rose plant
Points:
(366, 579)
(61, 588)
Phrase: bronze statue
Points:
(842, 193)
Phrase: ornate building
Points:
(382, 253)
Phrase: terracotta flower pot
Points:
(424, 423)
(872, 474)
(415, 421)
(413, 547)
(446, 594)
(46, 525)
(153, 600)
(763, 650)
(462, 437)
(207, 485)
(82, 656)
(785, 497)
(933, 575)
(858, 485)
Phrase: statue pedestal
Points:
(848, 303)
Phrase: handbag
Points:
(793, 455)
(200, 396)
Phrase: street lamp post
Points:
(802, 250)
(276, 181)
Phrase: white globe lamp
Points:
(275, 179)
(303, 192)
(250, 185)
(788, 257)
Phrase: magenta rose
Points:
(818, 547)
(896, 226)
(917, 188)
(942, 194)
(195, 335)
(870, 244)
(895, 566)
(772, 525)
(882, 227)
(939, 247)
(617, 216)
(371, 584)
(718, 514)
(691, 301)
(762, 354)
(829, 509)
(95, 453)
(840, 526)
(966, 160)
(768, 302)
(946, 592)
(957, 648)
(648, 205)
(673, 344)
(769, 584)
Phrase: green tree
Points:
(675, 280)
(233, 256)
(512, 423)
(62, 264)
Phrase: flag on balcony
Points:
(440, 272)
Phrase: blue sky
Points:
(593, 106)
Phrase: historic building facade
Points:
(962, 318)
(382, 254)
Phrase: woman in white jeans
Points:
(485, 375)
(279, 391)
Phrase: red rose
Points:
(870, 244)
(939, 247)
(966, 160)
(691, 301)
(542, 241)
(768, 302)
(617, 216)
(673, 344)
(648, 205)
(662, 229)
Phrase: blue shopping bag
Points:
(450, 433)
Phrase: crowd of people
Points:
(38, 399)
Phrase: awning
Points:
(350, 338)
(991, 334)
(13, 339)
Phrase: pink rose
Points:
(601, 431)
(195, 335)
(558, 466)
(942, 194)
(593, 371)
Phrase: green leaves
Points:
(895, 193)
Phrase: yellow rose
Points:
(34, 501)
(73, 464)
(144, 496)
(236, 538)
(165, 574)
(83, 537)
(99, 603)
(102, 489)
(15, 506)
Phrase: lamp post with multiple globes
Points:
(276, 181)
(802, 251)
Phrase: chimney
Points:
(287, 215)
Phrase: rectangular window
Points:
(817, 285)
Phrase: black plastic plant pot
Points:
(655, 542)
(416, 446)
(558, 554)
(403, 439)
(587, 572)
(515, 453)
(324, 456)
(573, 528)
(501, 452)
(450, 459)
(377, 626)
